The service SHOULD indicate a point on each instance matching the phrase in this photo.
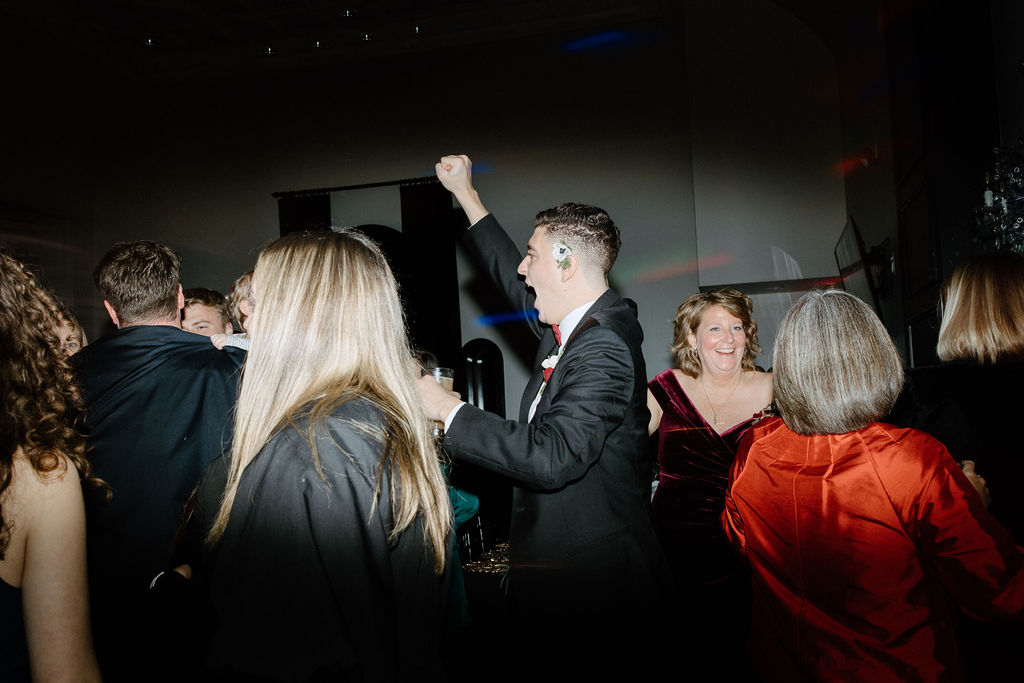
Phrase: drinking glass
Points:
(446, 378)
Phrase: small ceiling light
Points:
(149, 42)
(316, 44)
(269, 51)
(367, 37)
(416, 30)
(351, 13)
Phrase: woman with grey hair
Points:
(858, 533)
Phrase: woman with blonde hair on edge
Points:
(44, 602)
(331, 532)
(971, 403)
(863, 538)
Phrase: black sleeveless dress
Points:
(13, 646)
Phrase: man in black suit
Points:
(584, 556)
(158, 410)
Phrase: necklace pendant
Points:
(714, 418)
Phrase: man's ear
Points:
(181, 298)
(570, 270)
(112, 313)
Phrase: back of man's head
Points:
(587, 230)
(140, 281)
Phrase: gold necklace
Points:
(714, 411)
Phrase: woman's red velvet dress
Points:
(713, 585)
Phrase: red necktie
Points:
(558, 338)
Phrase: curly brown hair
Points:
(689, 315)
(42, 401)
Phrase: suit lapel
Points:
(537, 378)
(548, 341)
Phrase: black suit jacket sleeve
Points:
(493, 251)
(590, 392)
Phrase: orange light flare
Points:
(671, 270)
(831, 282)
(848, 166)
(868, 156)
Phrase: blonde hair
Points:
(689, 315)
(240, 291)
(66, 318)
(983, 310)
(328, 328)
(835, 369)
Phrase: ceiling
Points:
(189, 40)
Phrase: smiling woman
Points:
(701, 410)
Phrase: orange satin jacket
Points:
(859, 545)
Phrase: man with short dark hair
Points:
(205, 312)
(587, 572)
(158, 410)
(140, 284)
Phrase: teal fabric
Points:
(464, 506)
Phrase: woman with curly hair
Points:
(701, 409)
(44, 609)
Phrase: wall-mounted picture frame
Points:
(854, 268)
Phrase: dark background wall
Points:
(730, 140)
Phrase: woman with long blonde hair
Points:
(330, 542)
(44, 601)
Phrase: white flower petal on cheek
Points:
(561, 252)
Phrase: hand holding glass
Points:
(446, 378)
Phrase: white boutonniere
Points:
(561, 253)
(548, 366)
(550, 362)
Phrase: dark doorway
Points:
(421, 253)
